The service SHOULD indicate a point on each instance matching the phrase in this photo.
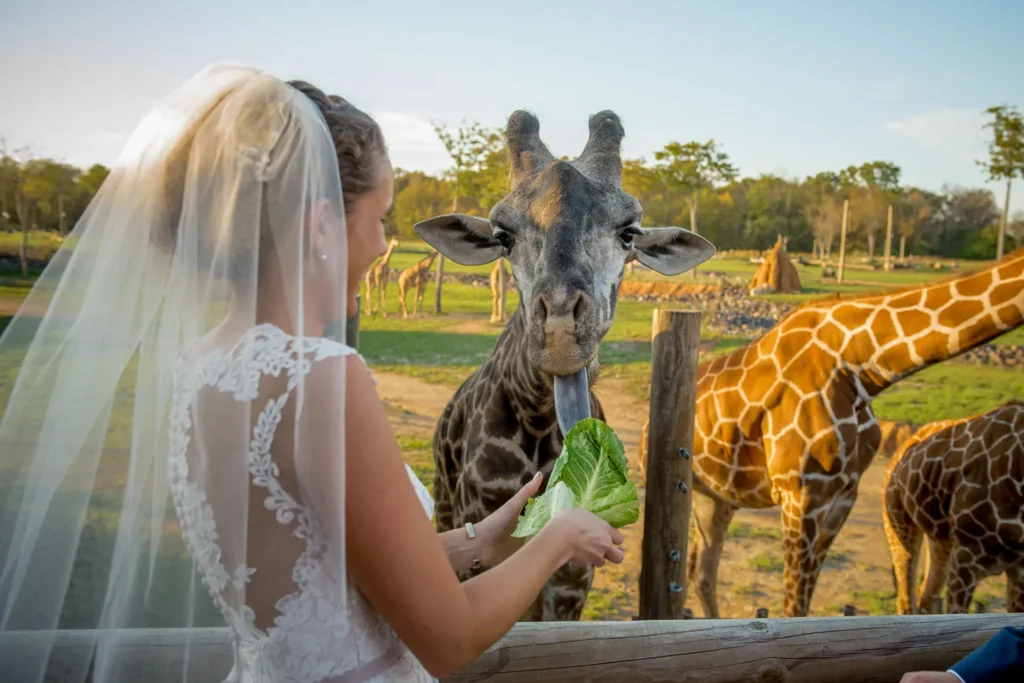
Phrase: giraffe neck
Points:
(905, 332)
(530, 392)
(387, 254)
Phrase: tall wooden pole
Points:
(903, 251)
(842, 242)
(1001, 242)
(676, 340)
(888, 240)
(440, 266)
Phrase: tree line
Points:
(692, 184)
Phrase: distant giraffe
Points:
(378, 277)
(787, 420)
(416, 277)
(497, 295)
(960, 483)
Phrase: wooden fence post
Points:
(888, 240)
(675, 346)
(842, 242)
(350, 333)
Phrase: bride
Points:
(180, 413)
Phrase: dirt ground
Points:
(857, 571)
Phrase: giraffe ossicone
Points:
(568, 229)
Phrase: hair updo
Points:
(359, 145)
(357, 138)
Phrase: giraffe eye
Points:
(505, 240)
(627, 235)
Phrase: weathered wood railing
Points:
(834, 649)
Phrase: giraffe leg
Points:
(904, 539)
(935, 573)
(369, 292)
(565, 595)
(382, 290)
(711, 519)
(964, 575)
(810, 524)
(401, 298)
(1015, 589)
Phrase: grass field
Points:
(420, 361)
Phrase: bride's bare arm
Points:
(399, 561)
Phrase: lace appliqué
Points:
(314, 636)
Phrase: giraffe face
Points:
(568, 229)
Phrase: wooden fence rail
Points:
(834, 649)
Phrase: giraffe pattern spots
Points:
(960, 484)
(791, 424)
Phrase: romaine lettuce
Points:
(590, 473)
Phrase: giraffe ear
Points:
(671, 251)
(467, 240)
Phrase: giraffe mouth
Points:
(572, 399)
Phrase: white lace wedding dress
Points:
(307, 643)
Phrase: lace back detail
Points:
(312, 637)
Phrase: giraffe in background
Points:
(498, 292)
(960, 483)
(378, 277)
(415, 277)
(787, 420)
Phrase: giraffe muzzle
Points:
(572, 399)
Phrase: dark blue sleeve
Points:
(999, 660)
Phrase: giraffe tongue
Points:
(572, 400)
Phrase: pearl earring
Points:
(322, 255)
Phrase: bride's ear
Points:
(318, 224)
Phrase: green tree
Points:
(469, 146)
(689, 168)
(1005, 157)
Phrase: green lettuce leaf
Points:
(542, 509)
(593, 470)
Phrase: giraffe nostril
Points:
(579, 307)
(541, 309)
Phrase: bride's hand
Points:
(495, 531)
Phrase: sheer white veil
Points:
(223, 214)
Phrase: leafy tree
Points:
(693, 167)
(688, 169)
(1006, 156)
(470, 146)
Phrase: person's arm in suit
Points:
(1000, 660)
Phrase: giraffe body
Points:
(377, 278)
(415, 278)
(960, 484)
(568, 230)
(787, 420)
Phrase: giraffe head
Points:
(568, 229)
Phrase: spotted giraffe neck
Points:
(387, 254)
(905, 332)
(530, 391)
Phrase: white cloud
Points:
(955, 132)
(412, 142)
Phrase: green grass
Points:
(745, 530)
(767, 563)
(950, 390)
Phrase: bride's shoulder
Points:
(261, 350)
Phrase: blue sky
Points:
(785, 86)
